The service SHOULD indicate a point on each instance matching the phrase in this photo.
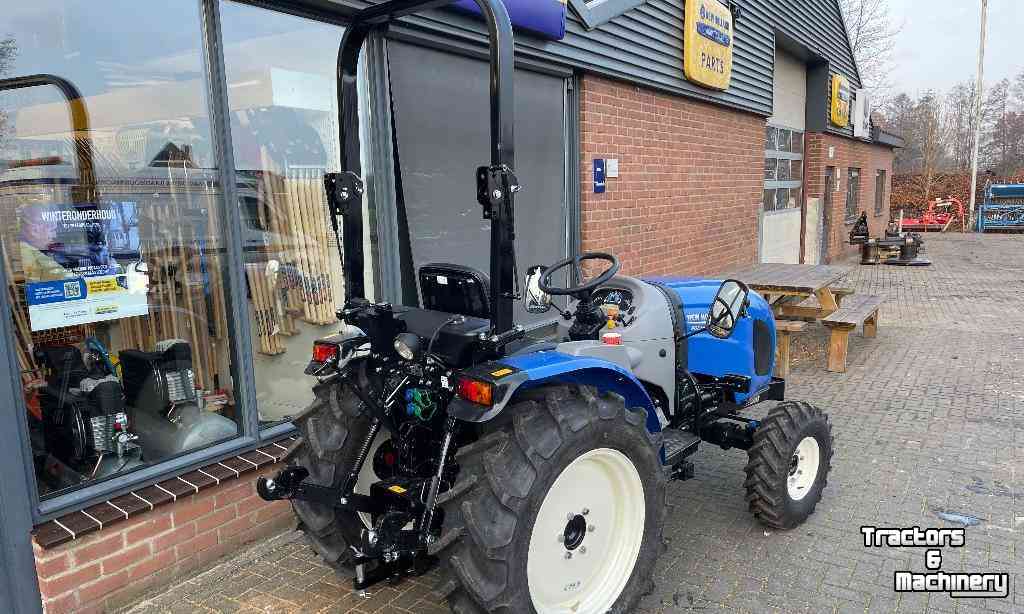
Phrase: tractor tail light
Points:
(324, 352)
(475, 391)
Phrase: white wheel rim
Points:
(567, 573)
(803, 468)
(367, 476)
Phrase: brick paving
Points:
(929, 418)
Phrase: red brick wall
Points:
(690, 180)
(848, 153)
(110, 568)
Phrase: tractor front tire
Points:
(332, 429)
(788, 465)
(559, 508)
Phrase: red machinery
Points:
(938, 217)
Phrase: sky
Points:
(938, 46)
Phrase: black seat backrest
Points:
(454, 288)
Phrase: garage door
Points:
(442, 122)
(781, 213)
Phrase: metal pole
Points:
(977, 112)
(19, 586)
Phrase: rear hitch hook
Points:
(281, 486)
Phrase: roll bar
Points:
(496, 183)
(85, 191)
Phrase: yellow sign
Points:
(501, 372)
(707, 43)
(841, 97)
(102, 285)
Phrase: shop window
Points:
(284, 129)
(879, 192)
(113, 237)
(852, 193)
(783, 163)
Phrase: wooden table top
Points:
(807, 278)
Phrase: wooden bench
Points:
(809, 309)
(783, 331)
(858, 309)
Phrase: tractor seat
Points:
(453, 288)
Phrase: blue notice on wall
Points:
(598, 176)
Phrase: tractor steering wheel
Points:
(576, 261)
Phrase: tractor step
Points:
(678, 446)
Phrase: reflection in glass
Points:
(771, 138)
(282, 95)
(781, 198)
(117, 276)
(785, 142)
(795, 197)
(770, 166)
(852, 192)
(783, 172)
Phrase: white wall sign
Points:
(862, 115)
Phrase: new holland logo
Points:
(714, 26)
(713, 34)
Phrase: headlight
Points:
(407, 345)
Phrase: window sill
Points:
(90, 519)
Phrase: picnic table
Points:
(787, 285)
(800, 292)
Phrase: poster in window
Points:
(82, 263)
(707, 43)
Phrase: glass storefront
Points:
(284, 127)
(161, 208)
(112, 238)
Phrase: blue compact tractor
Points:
(534, 472)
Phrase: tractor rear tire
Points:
(332, 429)
(788, 465)
(560, 507)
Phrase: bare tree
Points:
(1017, 91)
(960, 112)
(902, 116)
(1003, 147)
(933, 132)
(873, 38)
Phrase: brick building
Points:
(209, 125)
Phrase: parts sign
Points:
(707, 43)
(842, 96)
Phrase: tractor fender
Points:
(521, 372)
